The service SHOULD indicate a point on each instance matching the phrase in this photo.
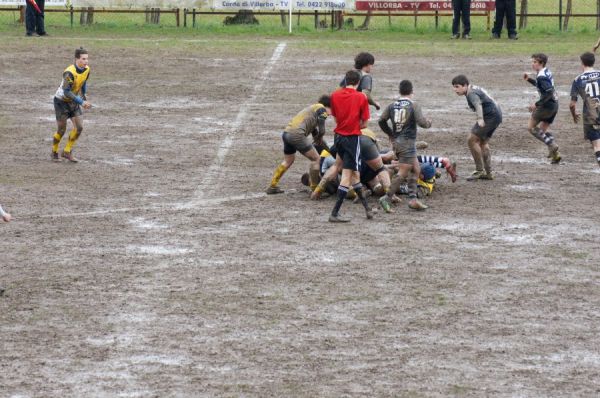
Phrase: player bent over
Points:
(587, 86)
(405, 115)
(543, 111)
(309, 121)
(489, 117)
(351, 111)
(68, 100)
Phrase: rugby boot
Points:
(416, 204)
(487, 176)
(54, 156)
(396, 199)
(385, 204)
(476, 175)
(554, 154)
(274, 190)
(338, 218)
(369, 214)
(69, 156)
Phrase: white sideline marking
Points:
(169, 207)
(213, 170)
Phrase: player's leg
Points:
(413, 175)
(550, 141)
(474, 143)
(289, 155)
(314, 168)
(73, 137)
(596, 147)
(486, 155)
(62, 115)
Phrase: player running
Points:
(489, 117)
(543, 111)
(587, 86)
(68, 100)
(309, 121)
(405, 115)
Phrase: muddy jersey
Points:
(587, 86)
(478, 96)
(365, 83)
(544, 82)
(405, 115)
(73, 85)
(310, 120)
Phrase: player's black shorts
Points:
(294, 142)
(66, 110)
(405, 149)
(591, 132)
(368, 148)
(545, 113)
(348, 148)
(491, 124)
(366, 173)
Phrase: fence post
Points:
(560, 15)
(185, 17)
(316, 19)
(193, 17)
(437, 20)
(177, 16)
(21, 14)
(71, 15)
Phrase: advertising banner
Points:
(283, 4)
(420, 5)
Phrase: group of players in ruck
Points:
(355, 166)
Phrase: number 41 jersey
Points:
(587, 86)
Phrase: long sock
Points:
(56, 140)
(321, 186)
(361, 194)
(487, 160)
(548, 138)
(412, 186)
(341, 195)
(278, 174)
(598, 157)
(537, 133)
(314, 178)
(71, 141)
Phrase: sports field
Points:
(158, 267)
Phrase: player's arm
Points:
(68, 81)
(421, 121)
(366, 86)
(546, 90)
(573, 103)
(383, 122)
(365, 115)
(476, 101)
(528, 79)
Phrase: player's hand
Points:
(525, 76)
(7, 217)
(377, 106)
(480, 123)
(87, 105)
(531, 107)
(576, 117)
(315, 195)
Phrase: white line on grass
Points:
(213, 171)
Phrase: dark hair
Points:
(79, 52)
(588, 59)
(325, 100)
(460, 80)
(305, 179)
(352, 78)
(406, 87)
(540, 58)
(363, 59)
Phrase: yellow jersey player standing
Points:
(68, 100)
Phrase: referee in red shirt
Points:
(351, 111)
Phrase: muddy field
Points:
(157, 267)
